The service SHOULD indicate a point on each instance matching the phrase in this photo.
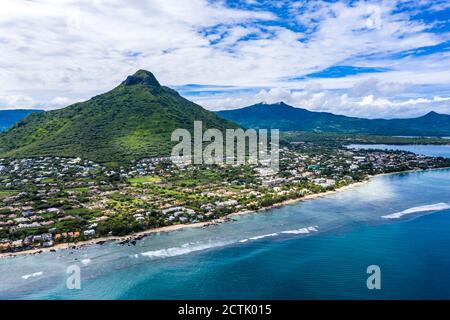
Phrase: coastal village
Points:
(50, 200)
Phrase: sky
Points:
(373, 59)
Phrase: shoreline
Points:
(172, 228)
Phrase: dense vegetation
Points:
(287, 118)
(132, 121)
(338, 139)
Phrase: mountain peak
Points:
(142, 77)
(132, 121)
(276, 104)
(282, 104)
(433, 115)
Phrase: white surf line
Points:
(32, 275)
(304, 230)
(427, 208)
(198, 246)
(181, 250)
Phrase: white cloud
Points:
(53, 49)
(375, 86)
(60, 102)
(18, 101)
(26, 102)
(316, 99)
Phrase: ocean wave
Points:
(182, 250)
(305, 230)
(32, 275)
(427, 208)
(199, 246)
(86, 261)
(302, 230)
(264, 236)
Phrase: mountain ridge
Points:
(131, 121)
(288, 118)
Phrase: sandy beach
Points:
(140, 235)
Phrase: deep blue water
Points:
(428, 150)
(270, 255)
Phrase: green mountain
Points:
(10, 117)
(287, 118)
(132, 121)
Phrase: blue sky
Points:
(359, 58)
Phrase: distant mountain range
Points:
(287, 118)
(136, 119)
(132, 121)
(10, 117)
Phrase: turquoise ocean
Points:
(314, 249)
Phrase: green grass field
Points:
(145, 179)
